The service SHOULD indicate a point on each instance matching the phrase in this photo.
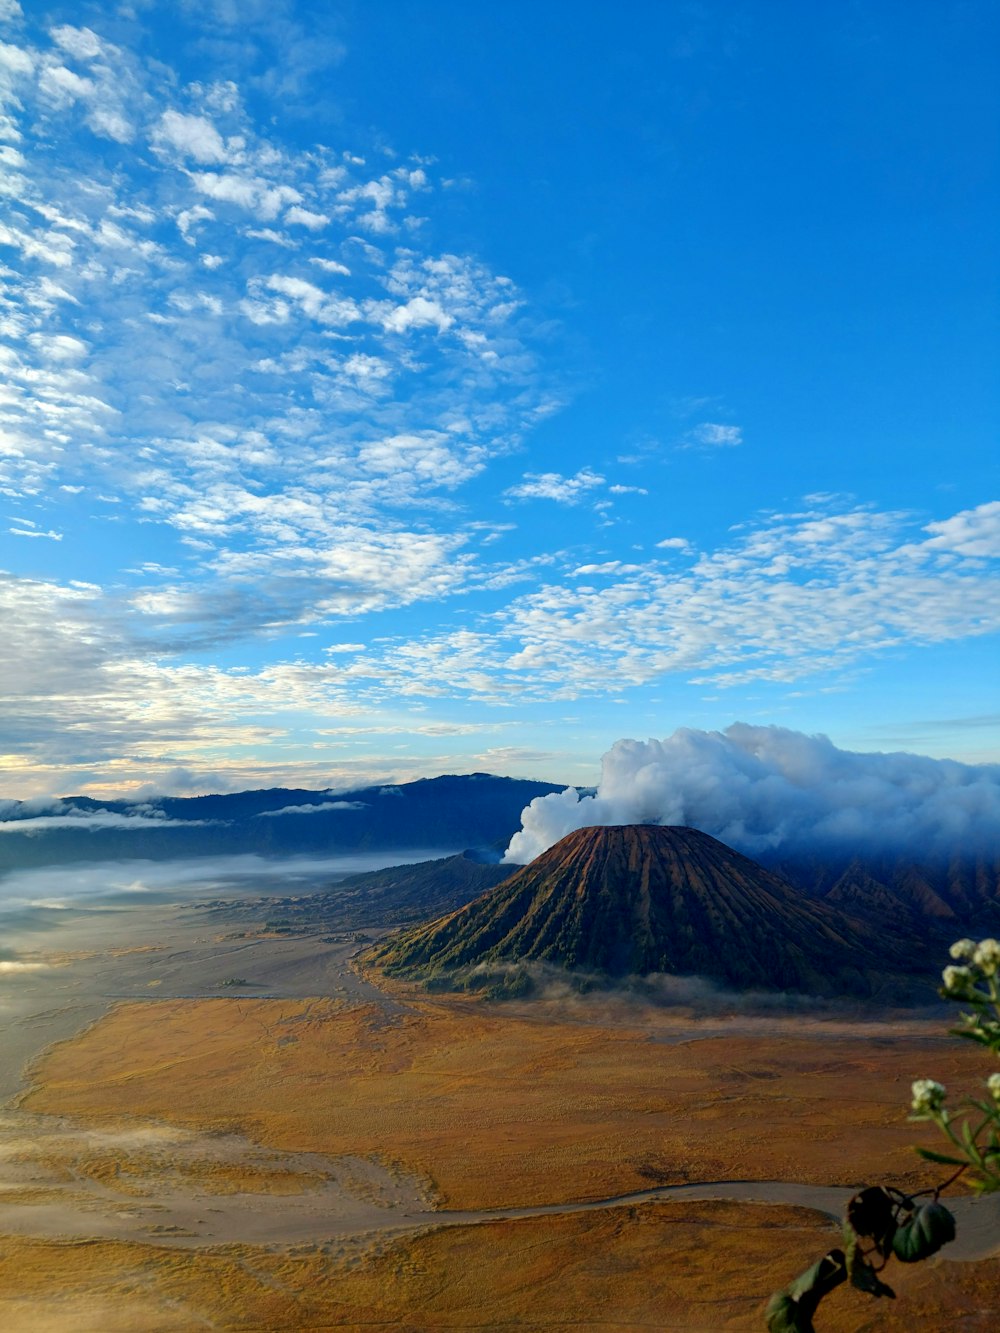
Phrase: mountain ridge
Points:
(636, 899)
(453, 811)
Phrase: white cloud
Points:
(330, 266)
(62, 87)
(799, 595)
(304, 217)
(320, 808)
(81, 43)
(312, 300)
(18, 62)
(265, 199)
(93, 819)
(419, 312)
(714, 435)
(110, 122)
(230, 336)
(973, 532)
(680, 544)
(59, 346)
(35, 532)
(188, 219)
(607, 567)
(766, 789)
(554, 486)
(194, 136)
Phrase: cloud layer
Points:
(767, 789)
(267, 420)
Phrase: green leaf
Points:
(810, 1287)
(784, 1316)
(791, 1310)
(931, 1156)
(922, 1235)
(973, 1034)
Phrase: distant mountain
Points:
(952, 892)
(452, 812)
(425, 888)
(638, 899)
(377, 898)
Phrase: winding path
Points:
(356, 1203)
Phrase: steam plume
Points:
(767, 789)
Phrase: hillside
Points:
(641, 899)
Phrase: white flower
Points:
(962, 949)
(987, 956)
(993, 1086)
(956, 979)
(927, 1095)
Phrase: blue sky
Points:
(408, 387)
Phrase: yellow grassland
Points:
(494, 1109)
(498, 1110)
(694, 1266)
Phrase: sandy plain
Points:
(309, 1150)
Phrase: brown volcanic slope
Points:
(640, 898)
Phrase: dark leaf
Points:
(860, 1271)
(864, 1277)
(791, 1310)
(872, 1213)
(810, 1287)
(924, 1233)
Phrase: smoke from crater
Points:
(768, 789)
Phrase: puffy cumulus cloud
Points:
(412, 460)
(418, 312)
(973, 532)
(256, 194)
(103, 85)
(305, 217)
(82, 43)
(767, 789)
(191, 136)
(554, 486)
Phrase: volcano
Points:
(637, 899)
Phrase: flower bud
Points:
(956, 979)
(987, 956)
(928, 1095)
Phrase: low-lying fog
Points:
(38, 899)
(75, 939)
